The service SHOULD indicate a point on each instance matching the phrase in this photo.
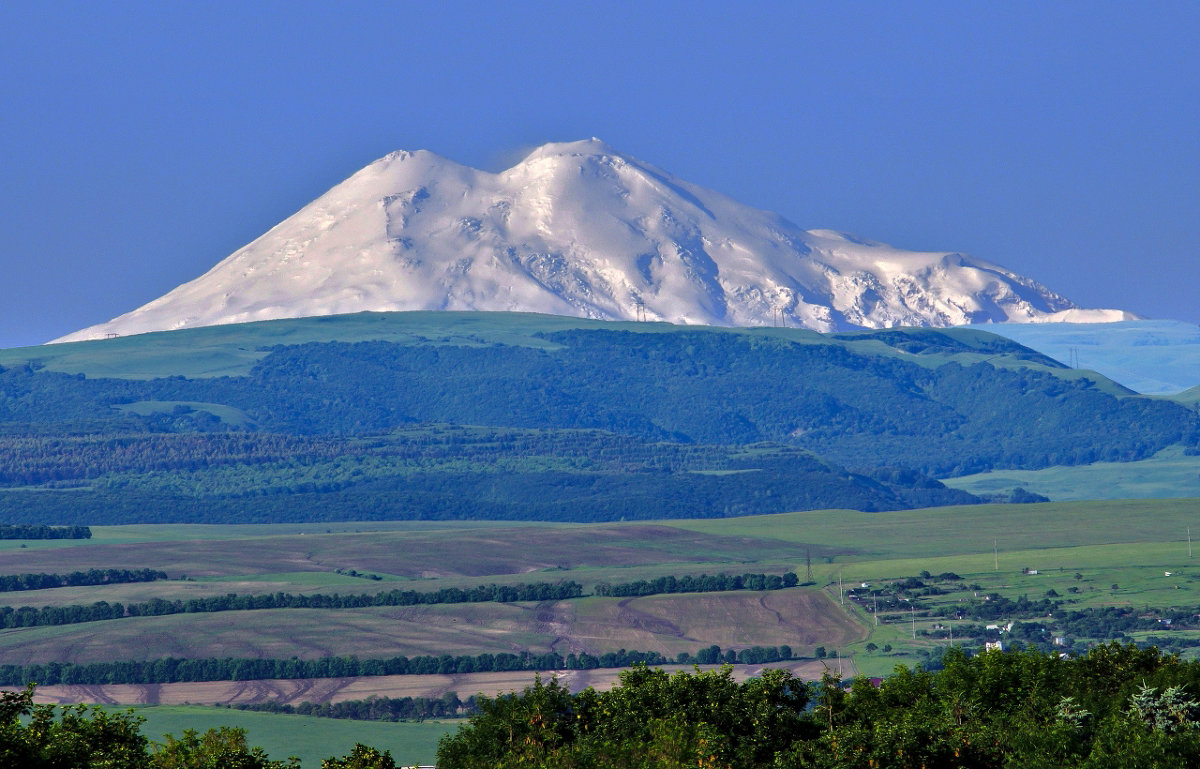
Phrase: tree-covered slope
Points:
(575, 419)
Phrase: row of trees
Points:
(702, 584)
(27, 616)
(375, 708)
(174, 670)
(16, 582)
(34, 531)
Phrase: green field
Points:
(309, 739)
(972, 529)
(1169, 473)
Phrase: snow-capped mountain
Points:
(580, 229)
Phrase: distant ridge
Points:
(579, 229)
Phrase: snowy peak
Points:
(580, 229)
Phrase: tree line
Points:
(33, 531)
(701, 584)
(28, 616)
(16, 582)
(173, 670)
(374, 708)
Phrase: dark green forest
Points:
(37, 531)
(584, 424)
(428, 472)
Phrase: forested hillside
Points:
(1117, 706)
(544, 422)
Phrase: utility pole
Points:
(841, 595)
(913, 609)
(996, 554)
(807, 565)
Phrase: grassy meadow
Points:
(309, 739)
(1169, 473)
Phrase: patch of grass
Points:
(946, 531)
(1169, 473)
(227, 414)
(309, 739)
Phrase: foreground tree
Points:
(43, 737)
(361, 757)
(222, 747)
(650, 719)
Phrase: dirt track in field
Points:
(338, 689)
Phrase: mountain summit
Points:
(580, 229)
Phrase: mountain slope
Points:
(579, 229)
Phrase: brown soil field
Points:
(339, 689)
(673, 623)
(668, 624)
(470, 552)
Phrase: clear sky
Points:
(142, 142)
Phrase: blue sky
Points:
(140, 143)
